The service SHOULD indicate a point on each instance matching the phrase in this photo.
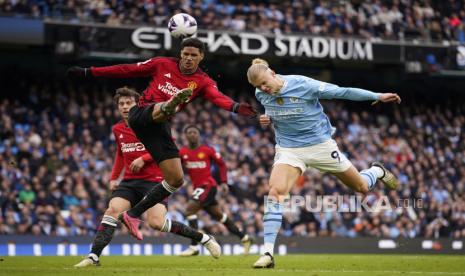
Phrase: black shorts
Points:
(156, 137)
(134, 190)
(205, 195)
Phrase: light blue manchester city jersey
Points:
(297, 114)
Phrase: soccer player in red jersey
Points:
(174, 83)
(197, 160)
(141, 174)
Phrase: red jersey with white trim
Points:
(198, 164)
(130, 148)
(167, 79)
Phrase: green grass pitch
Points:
(241, 265)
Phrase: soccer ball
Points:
(182, 25)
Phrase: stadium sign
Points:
(259, 44)
(132, 42)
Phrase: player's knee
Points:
(176, 180)
(276, 192)
(112, 211)
(156, 222)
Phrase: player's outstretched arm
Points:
(212, 94)
(140, 69)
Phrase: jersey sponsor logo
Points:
(201, 155)
(132, 147)
(168, 75)
(196, 164)
(168, 88)
(192, 85)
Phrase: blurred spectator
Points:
(428, 19)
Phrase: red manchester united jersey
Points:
(167, 79)
(198, 164)
(130, 148)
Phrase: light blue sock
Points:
(371, 175)
(272, 223)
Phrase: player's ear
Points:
(201, 56)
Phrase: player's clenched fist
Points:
(265, 120)
(137, 165)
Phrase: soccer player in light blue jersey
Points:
(303, 139)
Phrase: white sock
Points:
(269, 247)
(378, 171)
(205, 238)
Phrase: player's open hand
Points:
(388, 98)
(265, 120)
(113, 184)
(246, 110)
(137, 165)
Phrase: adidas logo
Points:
(120, 136)
(168, 75)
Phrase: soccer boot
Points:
(88, 261)
(132, 224)
(190, 251)
(265, 261)
(170, 107)
(246, 243)
(388, 177)
(213, 247)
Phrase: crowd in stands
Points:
(394, 19)
(56, 155)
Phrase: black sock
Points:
(185, 231)
(233, 228)
(155, 196)
(104, 234)
(193, 223)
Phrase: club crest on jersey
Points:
(201, 155)
(280, 101)
(192, 85)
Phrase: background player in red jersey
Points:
(141, 174)
(197, 160)
(174, 83)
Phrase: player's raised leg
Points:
(365, 181)
(216, 213)
(172, 170)
(105, 231)
(156, 217)
(283, 177)
(191, 215)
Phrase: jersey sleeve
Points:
(147, 157)
(323, 90)
(216, 156)
(118, 164)
(140, 69)
(212, 94)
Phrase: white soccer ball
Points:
(182, 25)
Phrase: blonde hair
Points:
(258, 67)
